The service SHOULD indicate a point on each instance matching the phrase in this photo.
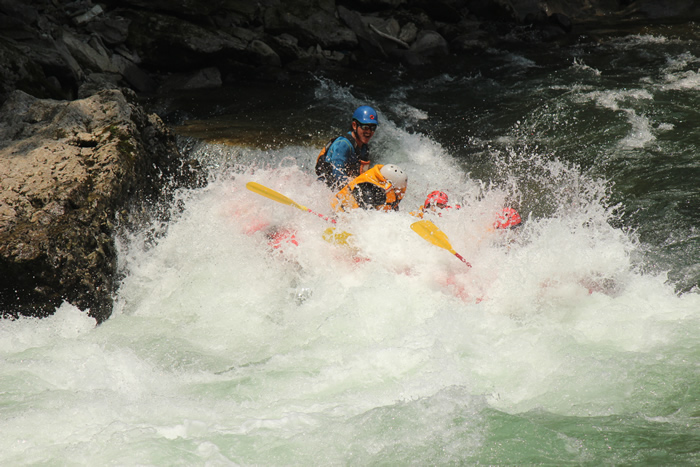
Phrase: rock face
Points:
(67, 168)
(66, 50)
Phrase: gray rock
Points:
(88, 52)
(287, 47)
(319, 27)
(430, 44)
(113, 30)
(89, 15)
(133, 75)
(263, 54)
(367, 41)
(408, 33)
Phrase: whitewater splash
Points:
(227, 348)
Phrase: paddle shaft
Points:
(321, 215)
(462, 259)
(280, 198)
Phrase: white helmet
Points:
(394, 175)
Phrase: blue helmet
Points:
(366, 114)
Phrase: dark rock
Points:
(113, 30)
(446, 11)
(476, 40)
(561, 20)
(430, 44)
(87, 16)
(207, 78)
(170, 44)
(408, 33)
(24, 68)
(367, 41)
(133, 75)
(90, 54)
(372, 5)
(263, 54)
(319, 27)
(654, 9)
(246, 10)
(287, 48)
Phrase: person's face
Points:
(364, 132)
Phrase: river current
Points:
(574, 339)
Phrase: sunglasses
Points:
(367, 127)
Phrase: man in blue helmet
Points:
(346, 157)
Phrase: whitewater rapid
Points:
(562, 343)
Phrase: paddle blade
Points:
(431, 233)
(273, 195)
(437, 237)
(331, 235)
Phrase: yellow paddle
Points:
(329, 235)
(280, 198)
(437, 237)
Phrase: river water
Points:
(572, 340)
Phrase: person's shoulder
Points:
(343, 141)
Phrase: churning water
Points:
(572, 340)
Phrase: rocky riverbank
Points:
(68, 50)
(78, 151)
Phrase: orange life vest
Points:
(369, 190)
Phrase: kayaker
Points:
(508, 218)
(346, 157)
(382, 187)
(435, 200)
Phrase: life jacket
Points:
(324, 169)
(369, 190)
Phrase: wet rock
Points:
(67, 169)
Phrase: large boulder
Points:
(67, 168)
